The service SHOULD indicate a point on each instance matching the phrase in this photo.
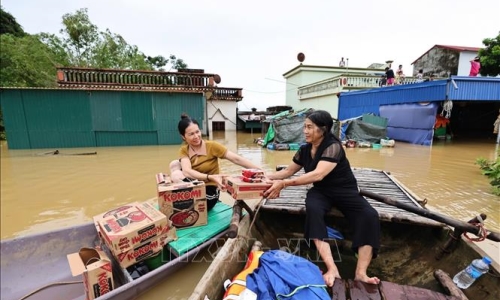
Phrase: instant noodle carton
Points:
(127, 227)
(185, 203)
(142, 251)
(240, 188)
(95, 267)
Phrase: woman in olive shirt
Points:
(199, 159)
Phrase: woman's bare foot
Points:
(330, 276)
(364, 278)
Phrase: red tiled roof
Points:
(456, 48)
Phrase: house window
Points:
(218, 126)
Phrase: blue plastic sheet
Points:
(412, 122)
(282, 275)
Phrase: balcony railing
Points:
(345, 82)
(127, 77)
(181, 82)
(367, 81)
(321, 88)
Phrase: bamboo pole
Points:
(494, 236)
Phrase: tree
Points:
(8, 24)
(490, 57)
(86, 46)
(27, 62)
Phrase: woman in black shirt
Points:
(326, 166)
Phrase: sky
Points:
(251, 44)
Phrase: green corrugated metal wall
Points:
(42, 118)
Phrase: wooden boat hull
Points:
(407, 254)
(31, 262)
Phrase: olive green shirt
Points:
(208, 161)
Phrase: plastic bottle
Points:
(474, 270)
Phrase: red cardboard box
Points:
(240, 190)
(95, 267)
(127, 227)
(185, 204)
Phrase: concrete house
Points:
(445, 61)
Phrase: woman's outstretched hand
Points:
(219, 180)
(274, 191)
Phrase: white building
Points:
(318, 87)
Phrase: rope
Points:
(255, 214)
(482, 231)
(447, 107)
(49, 285)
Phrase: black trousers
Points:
(213, 194)
(360, 214)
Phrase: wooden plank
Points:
(188, 238)
(392, 291)
(361, 290)
(416, 293)
(448, 284)
(339, 290)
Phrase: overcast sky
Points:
(250, 44)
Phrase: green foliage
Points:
(86, 46)
(8, 24)
(490, 57)
(492, 170)
(27, 62)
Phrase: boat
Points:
(36, 266)
(419, 253)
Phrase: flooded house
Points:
(413, 109)
(108, 107)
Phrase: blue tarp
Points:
(412, 122)
(282, 275)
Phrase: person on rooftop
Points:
(475, 66)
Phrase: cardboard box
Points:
(142, 252)
(240, 190)
(95, 267)
(132, 225)
(185, 204)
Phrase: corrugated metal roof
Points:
(475, 88)
(353, 104)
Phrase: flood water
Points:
(42, 192)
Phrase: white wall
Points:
(222, 111)
(330, 103)
(464, 62)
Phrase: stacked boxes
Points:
(185, 204)
(135, 232)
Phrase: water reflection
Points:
(43, 192)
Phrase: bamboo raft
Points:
(292, 199)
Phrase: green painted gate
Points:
(45, 118)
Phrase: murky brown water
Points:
(43, 192)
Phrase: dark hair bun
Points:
(184, 116)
